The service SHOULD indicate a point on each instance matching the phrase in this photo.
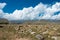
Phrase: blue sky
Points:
(30, 9)
(20, 4)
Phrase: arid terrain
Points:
(39, 30)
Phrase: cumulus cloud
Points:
(2, 5)
(40, 11)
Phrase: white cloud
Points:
(2, 5)
(40, 11)
(1, 13)
(51, 10)
(56, 17)
(29, 13)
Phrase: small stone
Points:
(32, 32)
(39, 37)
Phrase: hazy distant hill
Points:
(41, 21)
(34, 21)
(3, 21)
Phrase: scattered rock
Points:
(39, 37)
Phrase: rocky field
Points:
(29, 30)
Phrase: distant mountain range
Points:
(34, 21)
(2, 20)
